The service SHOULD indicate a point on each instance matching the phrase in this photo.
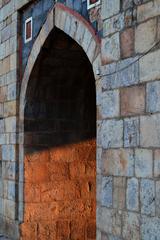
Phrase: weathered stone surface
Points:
(148, 10)
(110, 49)
(10, 124)
(109, 221)
(112, 133)
(157, 163)
(150, 131)
(153, 97)
(132, 194)
(143, 163)
(119, 192)
(131, 132)
(132, 100)
(158, 198)
(131, 226)
(127, 74)
(150, 228)
(8, 152)
(110, 104)
(149, 67)
(145, 36)
(113, 25)
(118, 162)
(147, 197)
(106, 194)
(110, 8)
(127, 43)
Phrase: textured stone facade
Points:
(121, 40)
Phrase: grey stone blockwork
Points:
(128, 119)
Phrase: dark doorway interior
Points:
(60, 147)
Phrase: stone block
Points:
(11, 190)
(132, 100)
(153, 97)
(12, 91)
(9, 209)
(109, 221)
(10, 124)
(157, 163)
(110, 8)
(8, 152)
(10, 108)
(147, 197)
(127, 74)
(143, 163)
(131, 226)
(112, 25)
(127, 4)
(145, 35)
(150, 131)
(127, 43)
(119, 192)
(110, 49)
(107, 185)
(148, 10)
(150, 228)
(149, 66)
(132, 200)
(118, 162)
(2, 126)
(112, 133)
(158, 198)
(131, 132)
(110, 104)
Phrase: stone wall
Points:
(128, 106)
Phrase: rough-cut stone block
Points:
(158, 198)
(131, 132)
(149, 66)
(119, 192)
(127, 74)
(143, 163)
(150, 131)
(8, 152)
(147, 197)
(131, 226)
(148, 10)
(109, 221)
(11, 190)
(110, 104)
(110, 49)
(113, 25)
(110, 8)
(132, 194)
(153, 97)
(112, 133)
(106, 192)
(132, 100)
(2, 126)
(118, 162)
(10, 124)
(145, 36)
(150, 229)
(127, 43)
(157, 163)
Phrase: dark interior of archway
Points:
(60, 148)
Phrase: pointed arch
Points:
(74, 25)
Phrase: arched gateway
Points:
(57, 187)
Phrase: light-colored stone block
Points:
(131, 132)
(145, 36)
(118, 162)
(132, 194)
(147, 197)
(110, 8)
(110, 104)
(149, 66)
(131, 226)
(157, 163)
(143, 163)
(114, 24)
(112, 133)
(150, 131)
(153, 97)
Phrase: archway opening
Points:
(59, 144)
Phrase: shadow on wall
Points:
(60, 147)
